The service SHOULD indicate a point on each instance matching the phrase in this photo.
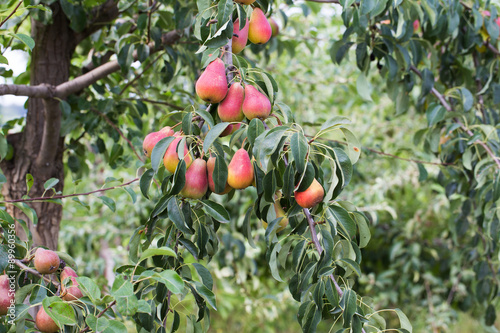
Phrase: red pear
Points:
(212, 84)
(152, 139)
(274, 27)
(46, 261)
(230, 108)
(312, 196)
(241, 38)
(240, 170)
(171, 158)
(6, 294)
(255, 104)
(259, 30)
(196, 180)
(227, 131)
(211, 184)
(44, 323)
(72, 292)
(167, 130)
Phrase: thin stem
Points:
(35, 272)
(13, 12)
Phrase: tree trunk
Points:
(38, 150)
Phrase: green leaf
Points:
(3, 60)
(108, 202)
(161, 251)
(145, 182)
(255, 128)
(348, 305)
(490, 315)
(246, 228)
(50, 183)
(171, 280)
(204, 292)
(347, 225)
(97, 324)
(175, 215)
(28, 211)
(207, 117)
(213, 134)
(219, 175)
(364, 88)
(27, 40)
(126, 301)
(205, 275)
(467, 99)
(299, 146)
(435, 114)
(422, 172)
(89, 288)
(364, 229)
(61, 312)
(403, 319)
(215, 210)
(224, 11)
(158, 152)
(29, 183)
(352, 265)
(179, 178)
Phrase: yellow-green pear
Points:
(240, 37)
(312, 196)
(240, 170)
(245, 2)
(196, 180)
(259, 29)
(274, 27)
(279, 213)
(171, 158)
(255, 104)
(212, 84)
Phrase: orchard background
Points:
(392, 105)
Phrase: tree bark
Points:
(38, 150)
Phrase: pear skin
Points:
(152, 139)
(255, 104)
(229, 109)
(5, 295)
(196, 180)
(167, 130)
(279, 213)
(240, 37)
(72, 292)
(211, 184)
(274, 27)
(312, 196)
(171, 158)
(44, 323)
(240, 170)
(259, 29)
(245, 2)
(46, 261)
(212, 84)
(227, 131)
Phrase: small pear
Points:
(212, 84)
(211, 184)
(46, 261)
(240, 170)
(240, 37)
(72, 292)
(274, 27)
(312, 196)
(196, 180)
(259, 29)
(230, 108)
(279, 213)
(245, 2)
(171, 158)
(6, 294)
(255, 104)
(44, 323)
(152, 139)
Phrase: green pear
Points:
(152, 139)
(171, 158)
(245, 2)
(44, 323)
(230, 108)
(72, 292)
(211, 184)
(259, 29)
(274, 27)
(6, 294)
(312, 196)
(46, 261)
(240, 170)
(279, 213)
(255, 104)
(196, 180)
(240, 37)
(212, 84)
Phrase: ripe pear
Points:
(240, 170)
(274, 27)
(255, 104)
(227, 131)
(259, 29)
(312, 196)
(46, 261)
(72, 292)
(211, 184)
(245, 2)
(212, 84)
(6, 295)
(279, 213)
(152, 139)
(196, 180)
(171, 158)
(230, 108)
(241, 38)
(44, 323)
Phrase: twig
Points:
(13, 12)
(173, 106)
(69, 195)
(35, 272)
(454, 289)
(99, 315)
(139, 75)
(119, 132)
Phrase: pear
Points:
(46, 261)
(212, 84)
(171, 158)
(230, 108)
(259, 29)
(312, 196)
(44, 323)
(211, 184)
(279, 213)
(152, 139)
(227, 131)
(72, 292)
(245, 2)
(6, 294)
(196, 180)
(274, 27)
(255, 104)
(241, 38)
(240, 170)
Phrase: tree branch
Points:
(35, 272)
(69, 195)
(101, 15)
(10, 15)
(173, 106)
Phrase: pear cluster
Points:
(258, 29)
